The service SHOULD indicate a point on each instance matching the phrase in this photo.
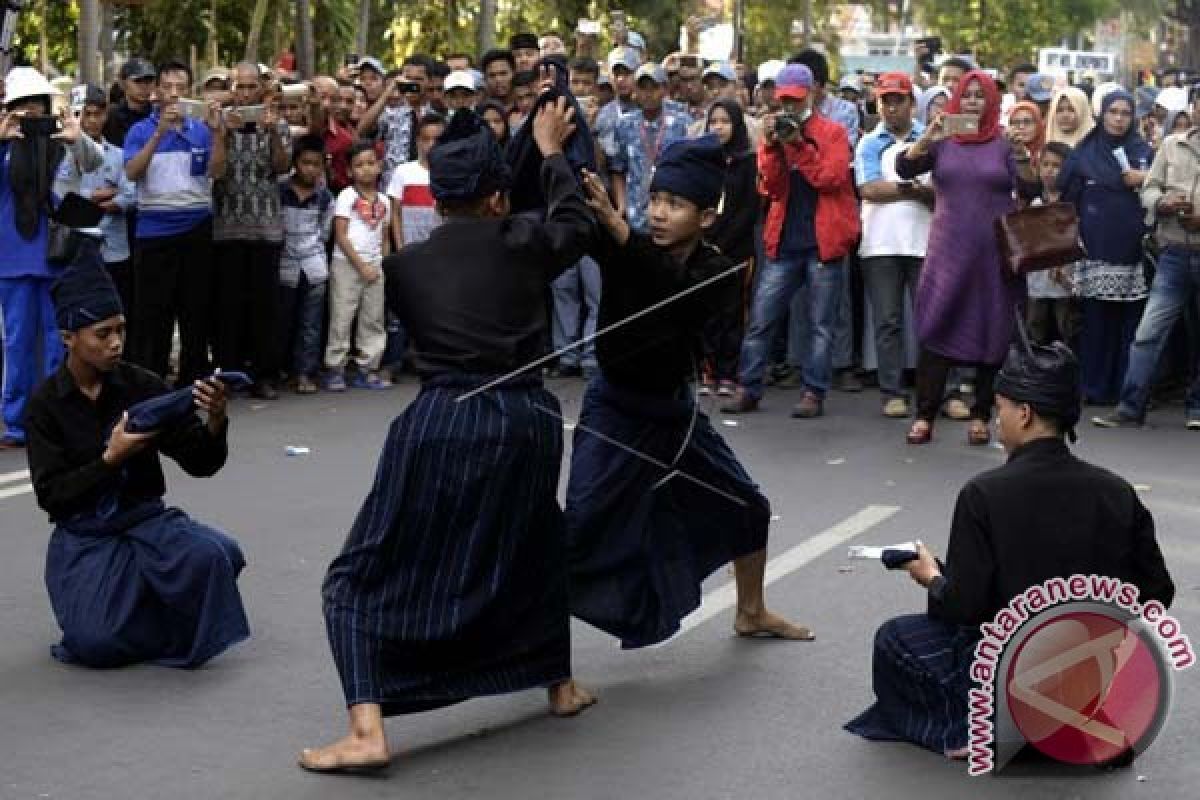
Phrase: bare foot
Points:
(352, 754)
(568, 698)
(768, 625)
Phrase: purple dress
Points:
(964, 304)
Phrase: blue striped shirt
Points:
(175, 194)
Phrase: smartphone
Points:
(196, 109)
(589, 27)
(294, 90)
(960, 124)
(906, 185)
(40, 126)
(409, 87)
(351, 60)
(249, 113)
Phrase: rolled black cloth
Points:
(84, 293)
(1045, 377)
(163, 411)
(467, 163)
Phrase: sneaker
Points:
(704, 389)
(1193, 424)
(809, 407)
(726, 389)
(264, 390)
(370, 380)
(305, 385)
(956, 408)
(740, 403)
(1116, 420)
(895, 408)
(335, 382)
(847, 380)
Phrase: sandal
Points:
(921, 432)
(978, 434)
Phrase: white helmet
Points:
(24, 82)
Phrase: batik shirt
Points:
(637, 145)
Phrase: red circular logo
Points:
(1083, 688)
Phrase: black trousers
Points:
(932, 371)
(121, 273)
(722, 334)
(248, 308)
(172, 281)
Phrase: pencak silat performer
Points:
(657, 501)
(1044, 514)
(130, 580)
(452, 582)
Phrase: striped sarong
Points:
(921, 675)
(452, 581)
(656, 503)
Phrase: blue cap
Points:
(1040, 87)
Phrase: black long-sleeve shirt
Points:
(660, 351)
(473, 295)
(1044, 514)
(68, 432)
(733, 231)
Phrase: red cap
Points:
(893, 83)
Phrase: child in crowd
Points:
(361, 221)
(413, 214)
(109, 188)
(303, 268)
(1053, 312)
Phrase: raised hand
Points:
(553, 126)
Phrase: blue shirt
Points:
(112, 175)
(844, 113)
(637, 145)
(175, 193)
(799, 237)
(868, 160)
(22, 258)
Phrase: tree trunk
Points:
(305, 50)
(361, 36)
(212, 50)
(43, 38)
(88, 39)
(256, 27)
(487, 25)
(106, 43)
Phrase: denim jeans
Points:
(1176, 284)
(778, 282)
(303, 313)
(32, 346)
(575, 290)
(886, 278)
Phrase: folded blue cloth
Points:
(165, 410)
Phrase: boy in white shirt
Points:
(413, 214)
(362, 218)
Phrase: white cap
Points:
(459, 79)
(23, 82)
(1173, 98)
(769, 70)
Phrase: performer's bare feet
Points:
(958, 755)
(568, 698)
(768, 625)
(365, 749)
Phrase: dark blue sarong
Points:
(920, 672)
(149, 584)
(640, 546)
(452, 581)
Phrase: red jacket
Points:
(822, 156)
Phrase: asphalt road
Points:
(705, 716)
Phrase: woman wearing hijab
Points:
(1111, 280)
(29, 160)
(964, 303)
(496, 118)
(932, 100)
(1025, 121)
(733, 234)
(1070, 117)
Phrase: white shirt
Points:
(367, 239)
(410, 188)
(895, 229)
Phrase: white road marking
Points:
(13, 491)
(723, 598)
(10, 477)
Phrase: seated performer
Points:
(656, 500)
(130, 580)
(452, 582)
(1042, 515)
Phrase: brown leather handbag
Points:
(1038, 238)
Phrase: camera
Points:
(786, 124)
(40, 126)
